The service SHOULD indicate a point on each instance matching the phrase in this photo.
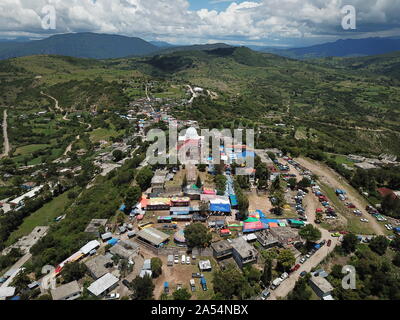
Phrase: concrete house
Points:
(69, 291)
(243, 252)
(222, 249)
(321, 286)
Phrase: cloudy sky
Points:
(257, 22)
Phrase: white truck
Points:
(276, 283)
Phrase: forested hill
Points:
(81, 45)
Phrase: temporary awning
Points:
(233, 200)
(220, 207)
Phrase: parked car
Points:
(265, 294)
(303, 274)
(113, 296)
(197, 275)
(187, 260)
(176, 259)
(329, 243)
(295, 268)
(335, 235)
(302, 260)
(364, 220)
(126, 283)
(183, 261)
(284, 276)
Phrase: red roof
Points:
(384, 192)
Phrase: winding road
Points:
(5, 136)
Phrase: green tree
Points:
(132, 197)
(199, 184)
(304, 183)
(182, 294)
(396, 259)
(73, 271)
(286, 260)
(229, 283)
(349, 243)
(300, 291)
(144, 178)
(118, 155)
(156, 267)
(21, 281)
(143, 288)
(197, 235)
(266, 276)
(310, 233)
(379, 245)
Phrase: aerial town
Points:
(192, 222)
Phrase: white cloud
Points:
(172, 19)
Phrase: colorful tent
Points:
(254, 226)
(180, 236)
(251, 219)
(273, 225)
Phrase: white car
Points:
(364, 220)
(187, 260)
(183, 261)
(176, 259)
(284, 276)
(113, 296)
(302, 260)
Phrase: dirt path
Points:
(57, 105)
(5, 136)
(335, 181)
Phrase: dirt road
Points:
(57, 105)
(310, 204)
(5, 136)
(335, 181)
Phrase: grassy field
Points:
(353, 222)
(30, 148)
(42, 217)
(103, 134)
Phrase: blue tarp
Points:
(203, 281)
(166, 285)
(220, 207)
(112, 242)
(122, 208)
(269, 221)
(262, 215)
(246, 154)
(16, 298)
(233, 199)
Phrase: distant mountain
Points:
(162, 44)
(80, 45)
(343, 48)
(196, 47)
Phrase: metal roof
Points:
(104, 283)
(153, 236)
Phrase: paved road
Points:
(16, 267)
(5, 135)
